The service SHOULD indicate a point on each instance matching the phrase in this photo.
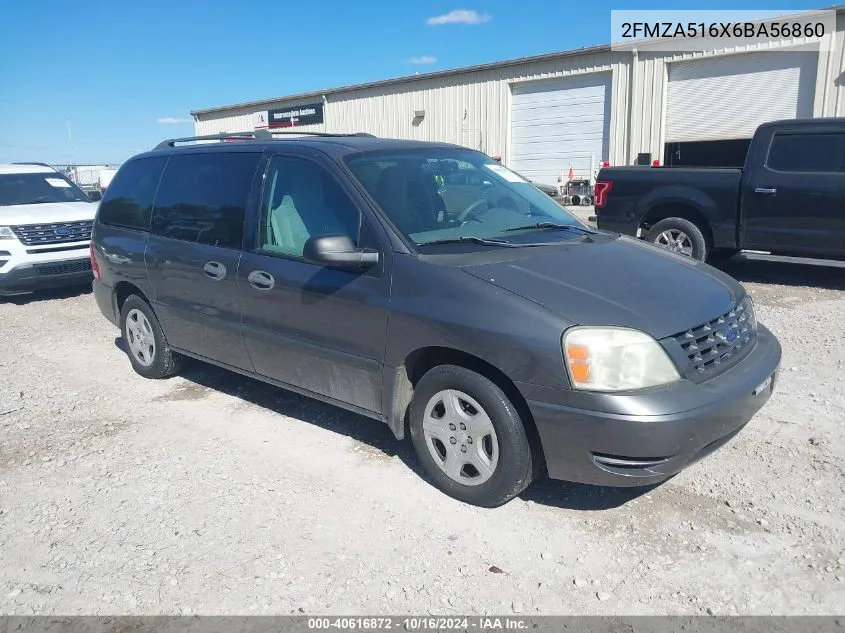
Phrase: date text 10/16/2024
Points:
(427, 623)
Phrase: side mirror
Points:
(338, 251)
(95, 196)
(486, 184)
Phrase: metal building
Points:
(578, 108)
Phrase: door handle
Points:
(768, 190)
(261, 280)
(214, 270)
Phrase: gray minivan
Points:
(506, 338)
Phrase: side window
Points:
(302, 200)
(821, 152)
(202, 198)
(128, 201)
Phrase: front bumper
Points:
(30, 276)
(645, 438)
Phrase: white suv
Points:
(45, 229)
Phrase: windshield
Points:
(437, 194)
(38, 188)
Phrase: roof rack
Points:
(33, 163)
(328, 134)
(254, 135)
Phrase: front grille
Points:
(64, 268)
(55, 233)
(716, 345)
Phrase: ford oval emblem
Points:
(731, 335)
(63, 230)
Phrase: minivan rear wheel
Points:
(469, 437)
(144, 340)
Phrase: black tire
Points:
(517, 466)
(165, 363)
(690, 230)
(719, 256)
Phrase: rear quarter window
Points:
(820, 152)
(129, 199)
(202, 198)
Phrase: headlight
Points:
(615, 359)
(6, 233)
(748, 308)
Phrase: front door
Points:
(795, 200)
(194, 252)
(316, 328)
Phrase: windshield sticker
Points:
(505, 173)
(58, 183)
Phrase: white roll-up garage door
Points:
(557, 123)
(728, 97)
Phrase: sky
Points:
(99, 81)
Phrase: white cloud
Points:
(459, 16)
(423, 59)
(172, 120)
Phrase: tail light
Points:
(655, 163)
(602, 188)
(95, 266)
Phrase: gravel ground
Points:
(212, 493)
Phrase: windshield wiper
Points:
(34, 202)
(552, 226)
(475, 240)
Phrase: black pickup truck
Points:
(789, 199)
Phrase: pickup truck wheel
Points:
(469, 437)
(680, 236)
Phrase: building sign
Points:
(299, 115)
(259, 120)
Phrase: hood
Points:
(623, 282)
(46, 213)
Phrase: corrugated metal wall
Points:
(648, 112)
(832, 74)
(473, 108)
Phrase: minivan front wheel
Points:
(144, 340)
(469, 437)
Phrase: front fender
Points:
(442, 306)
